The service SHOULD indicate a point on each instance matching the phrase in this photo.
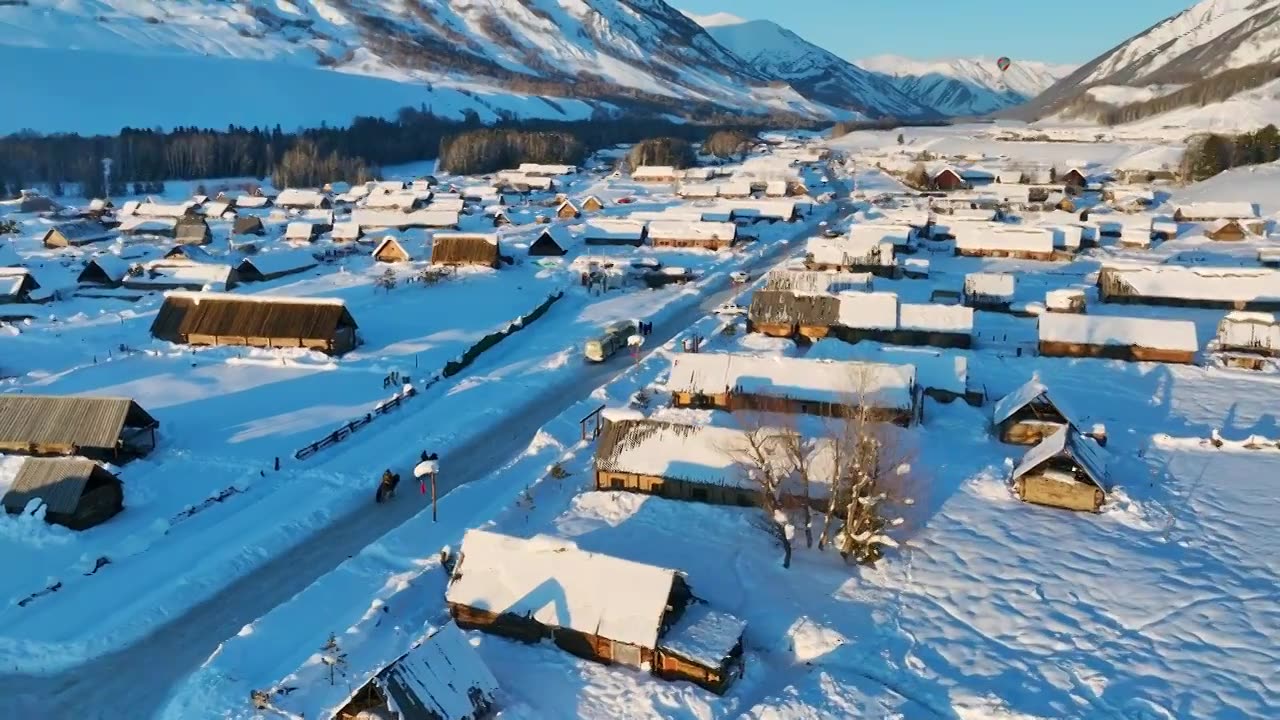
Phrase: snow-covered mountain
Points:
(818, 74)
(967, 86)
(146, 61)
(1211, 53)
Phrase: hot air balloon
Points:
(1003, 63)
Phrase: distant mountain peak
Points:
(967, 86)
(715, 19)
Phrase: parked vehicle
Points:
(740, 276)
(730, 309)
(612, 339)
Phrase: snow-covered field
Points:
(1160, 606)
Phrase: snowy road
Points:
(133, 682)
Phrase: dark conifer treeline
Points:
(676, 152)
(1208, 155)
(728, 143)
(354, 152)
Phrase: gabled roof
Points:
(261, 316)
(112, 266)
(280, 261)
(1068, 442)
(553, 582)
(395, 243)
(1176, 335)
(80, 231)
(79, 420)
(441, 678)
(879, 384)
(59, 482)
(1218, 211)
(1031, 391)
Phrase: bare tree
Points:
(762, 457)
(869, 472)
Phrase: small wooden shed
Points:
(592, 204)
(100, 428)
(104, 270)
(389, 250)
(192, 230)
(1066, 470)
(248, 225)
(77, 492)
(567, 211)
(16, 285)
(1226, 230)
(1027, 415)
(551, 242)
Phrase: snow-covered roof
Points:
(445, 204)
(678, 230)
(935, 369)
(935, 318)
(1063, 299)
(546, 169)
(158, 210)
(1067, 441)
(735, 188)
(1018, 399)
(990, 284)
(192, 275)
(620, 230)
(559, 585)
(876, 233)
(292, 299)
(767, 208)
(216, 209)
(879, 384)
(703, 454)
(1218, 211)
(1067, 237)
(479, 192)
(869, 310)
(699, 173)
(425, 218)
(1236, 284)
(113, 266)
(252, 201)
(533, 182)
(300, 231)
(676, 213)
(657, 172)
(280, 261)
(291, 197)
(345, 231)
(996, 236)
(400, 199)
(141, 225)
(699, 190)
(775, 188)
(703, 635)
(817, 282)
(12, 280)
(1177, 335)
(491, 238)
(844, 251)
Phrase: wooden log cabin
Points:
(1027, 415)
(77, 492)
(1247, 340)
(791, 315)
(1119, 338)
(480, 249)
(99, 428)
(266, 321)
(1216, 288)
(1065, 470)
(594, 606)
(735, 382)
(440, 678)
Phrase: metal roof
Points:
(81, 421)
(59, 482)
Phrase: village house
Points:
(1068, 300)
(108, 429)
(545, 169)
(391, 250)
(77, 493)
(1247, 340)
(655, 174)
(553, 241)
(427, 218)
(947, 179)
(878, 316)
(995, 240)
(152, 209)
(187, 253)
(266, 321)
(1065, 470)
(699, 191)
(76, 234)
(602, 608)
(440, 678)
(1120, 338)
(248, 225)
(1027, 415)
(861, 251)
(192, 231)
(465, 249)
(1226, 288)
(591, 204)
(404, 201)
(16, 285)
(1075, 177)
(303, 232)
(816, 282)
(796, 315)
(138, 226)
(104, 270)
(734, 382)
(736, 188)
(253, 201)
(615, 232)
(705, 235)
(1226, 230)
(277, 264)
(567, 211)
(989, 291)
(293, 199)
(161, 275)
(1163, 229)
(940, 374)
(1246, 214)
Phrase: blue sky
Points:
(1071, 32)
